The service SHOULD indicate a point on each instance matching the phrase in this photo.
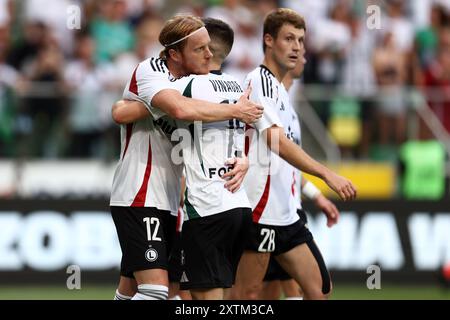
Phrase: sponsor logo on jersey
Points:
(219, 171)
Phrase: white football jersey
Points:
(145, 175)
(270, 181)
(206, 147)
(296, 137)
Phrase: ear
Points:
(175, 55)
(268, 40)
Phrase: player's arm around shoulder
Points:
(184, 108)
(147, 79)
(128, 111)
(262, 93)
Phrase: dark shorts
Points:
(145, 236)
(212, 247)
(275, 271)
(278, 239)
(175, 258)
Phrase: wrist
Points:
(325, 174)
(235, 112)
(310, 191)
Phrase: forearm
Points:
(207, 111)
(182, 108)
(125, 111)
(298, 158)
(294, 154)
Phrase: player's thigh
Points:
(305, 264)
(152, 276)
(291, 288)
(252, 268)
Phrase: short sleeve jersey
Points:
(296, 137)
(270, 180)
(207, 146)
(145, 175)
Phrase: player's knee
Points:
(251, 295)
(315, 293)
(252, 292)
(319, 290)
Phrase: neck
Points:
(175, 70)
(287, 82)
(215, 65)
(278, 71)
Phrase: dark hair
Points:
(277, 18)
(222, 37)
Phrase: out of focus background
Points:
(374, 102)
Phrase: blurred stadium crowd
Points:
(367, 83)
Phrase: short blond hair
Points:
(175, 29)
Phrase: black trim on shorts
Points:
(326, 280)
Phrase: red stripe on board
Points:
(262, 202)
(139, 200)
(133, 83)
(128, 138)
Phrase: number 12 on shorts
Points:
(149, 223)
(268, 242)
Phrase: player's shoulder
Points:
(183, 80)
(214, 75)
(153, 64)
(252, 74)
(183, 84)
(229, 77)
(262, 80)
(202, 80)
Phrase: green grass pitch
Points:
(341, 292)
